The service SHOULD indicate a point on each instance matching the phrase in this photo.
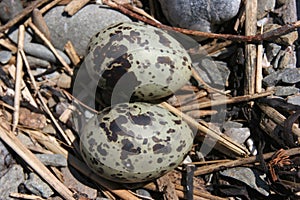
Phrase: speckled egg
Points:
(135, 142)
(141, 61)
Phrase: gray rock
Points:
(40, 51)
(36, 62)
(80, 27)
(5, 159)
(9, 9)
(143, 193)
(55, 160)
(295, 100)
(291, 75)
(272, 50)
(217, 72)
(268, 70)
(264, 7)
(288, 60)
(74, 180)
(10, 181)
(199, 15)
(277, 59)
(251, 177)
(285, 90)
(27, 141)
(239, 135)
(5, 56)
(288, 75)
(13, 35)
(231, 124)
(37, 186)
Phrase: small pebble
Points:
(13, 35)
(10, 181)
(295, 100)
(40, 51)
(288, 75)
(36, 62)
(5, 159)
(288, 60)
(252, 177)
(216, 71)
(143, 193)
(238, 134)
(5, 56)
(37, 186)
(286, 90)
(54, 160)
(272, 50)
(231, 124)
(64, 81)
(264, 7)
(291, 76)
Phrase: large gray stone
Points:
(80, 27)
(199, 15)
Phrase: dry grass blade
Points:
(44, 104)
(18, 77)
(226, 143)
(225, 101)
(12, 141)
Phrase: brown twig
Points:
(240, 161)
(21, 15)
(70, 50)
(252, 38)
(224, 142)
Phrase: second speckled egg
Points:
(138, 62)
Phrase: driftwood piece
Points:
(250, 49)
(74, 6)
